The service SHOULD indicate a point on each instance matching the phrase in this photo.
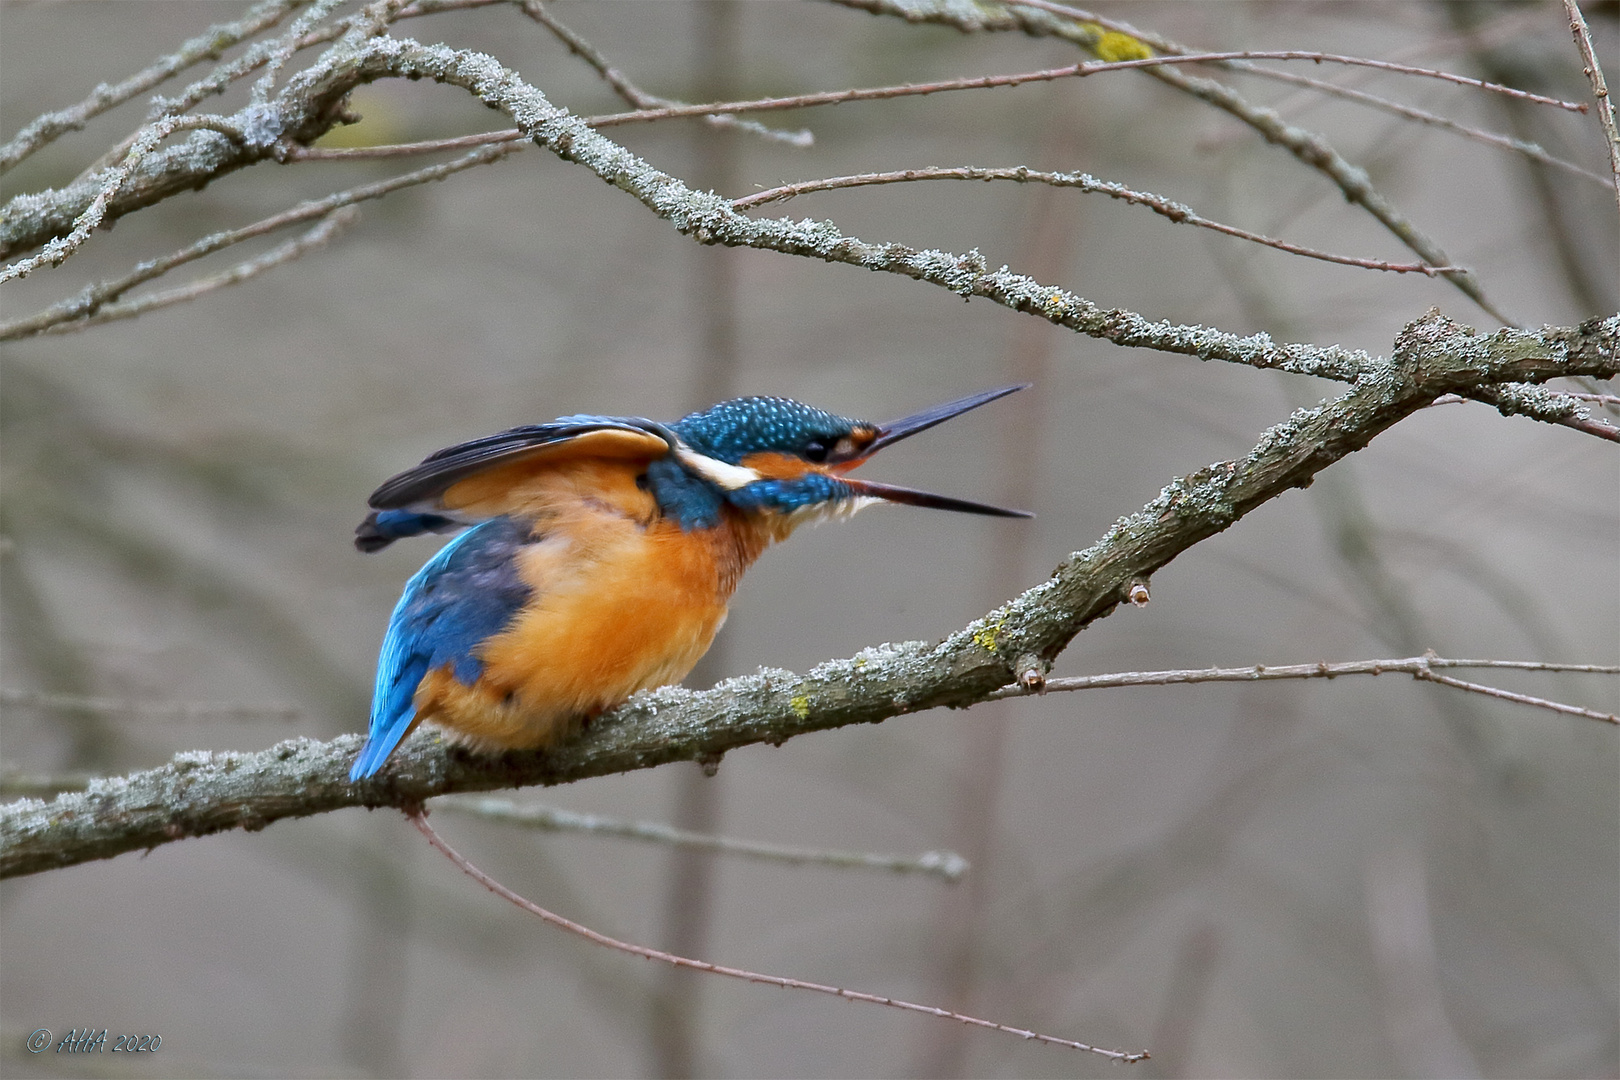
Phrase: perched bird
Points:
(602, 553)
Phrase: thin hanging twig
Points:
(418, 818)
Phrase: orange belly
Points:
(618, 606)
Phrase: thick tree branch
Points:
(201, 793)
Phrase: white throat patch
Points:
(722, 473)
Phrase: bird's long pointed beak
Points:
(894, 431)
(913, 497)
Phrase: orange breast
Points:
(621, 603)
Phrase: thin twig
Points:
(63, 246)
(1522, 699)
(251, 61)
(1235, 60)
(1175, 211)
(282, 49)
(1239, 62)
(418, 818)
(1545, 404)
(1422, 116)
(208, 45)
(942, 864)
(88, 301)
(986, 82)
(1542, 403)
(388, 150)
(840, 97)
(1419, 667)
(1600, 89)
(638, 97)
(1307, 146)
(166, 710)
(334, 224)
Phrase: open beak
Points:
(894, 431)
(913, 497)
(891, 433)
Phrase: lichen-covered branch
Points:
(210, 44)
(308, 105)
(201, 793)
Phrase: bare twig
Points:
(1600, 89)
(1540, 403)
(1307, 146)
(334, 224)
(1175, 211)
(388, 150)
(90, 300)
(645, 101)
(985, 82)
(205, 46)
(418, 818)
(1521, 699)
(282, 49)
(1419, 667)
(841, 97)
(941, 864)
(162, 710)
(1237, 60)
(1423, 116)
(638, 97)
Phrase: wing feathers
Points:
(570, 438)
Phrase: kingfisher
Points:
(599, 557)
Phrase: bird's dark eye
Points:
(816, 451)
(643, 482)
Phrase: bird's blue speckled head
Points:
(732, 430)
(778, 457)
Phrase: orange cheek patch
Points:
(774, 466)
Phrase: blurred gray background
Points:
(1362, 877)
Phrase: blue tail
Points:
(465, 595)
(383, 527)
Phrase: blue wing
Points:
(413, 502)
(465, 595)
